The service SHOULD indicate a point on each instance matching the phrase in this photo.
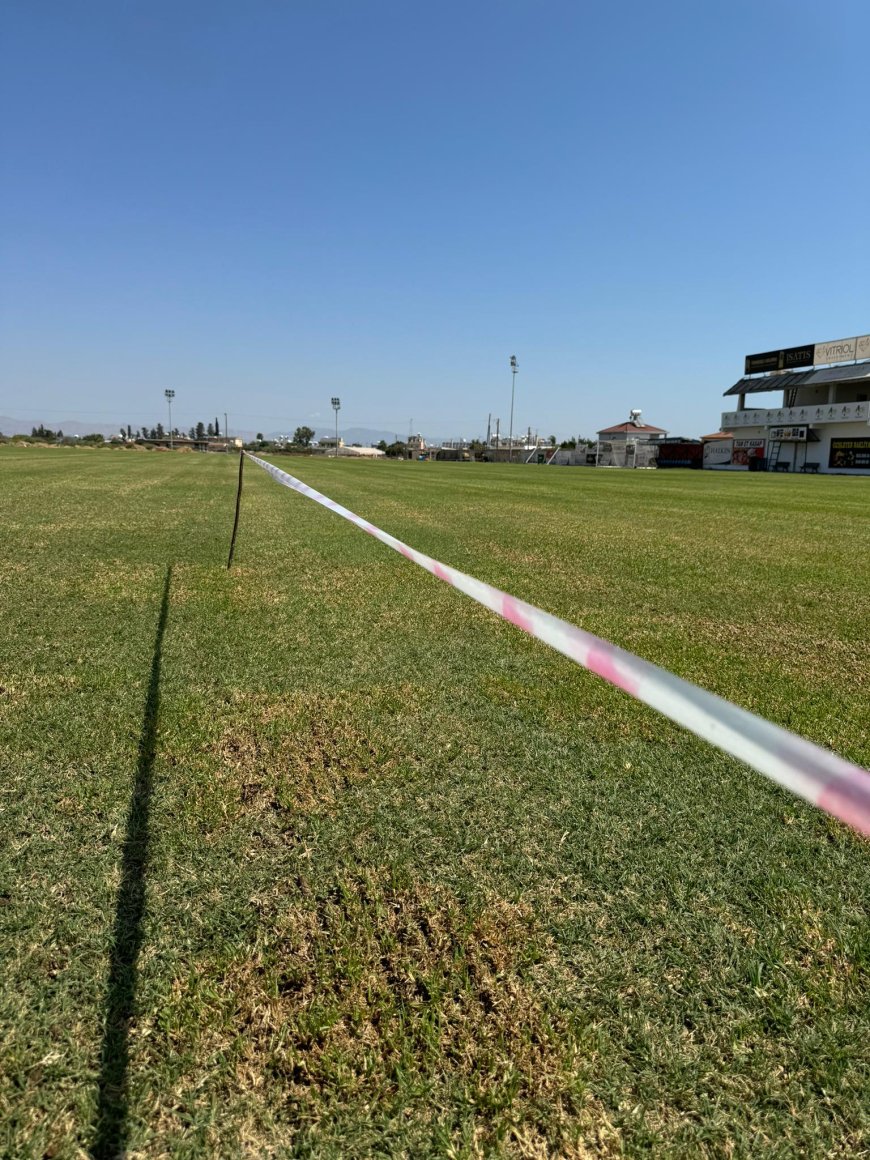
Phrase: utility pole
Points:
(515, 366)
(497, 422)
(226, 433)
(488, 429)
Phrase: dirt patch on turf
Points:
(250, 589)
(808, 652)
(16, 689)
(379, 999)
(119, 580)
(302, 751)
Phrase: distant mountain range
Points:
(10, 426)
(68, 426)
(367, 436)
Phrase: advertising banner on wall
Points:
(680, 454)
(797, 356)
(758, 363)
(789, 434)
(849, 453)
(839, 350)
(842, 350)
(790, 358)
(746, 449)
(717, 453)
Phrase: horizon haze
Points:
(262, 207)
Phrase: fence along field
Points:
(821, 777)
(411, 881)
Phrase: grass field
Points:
(318, 858)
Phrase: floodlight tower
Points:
(515, 366)
(170, 395)
(336, 406)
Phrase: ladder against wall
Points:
(773, 457)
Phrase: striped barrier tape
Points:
(813, 773)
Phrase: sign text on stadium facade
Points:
(849, 453)
(809, 355)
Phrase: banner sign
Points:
(793, 357)
(746, 449)
(817, 774)
(841, 350)
(849, 453)
(757, 363)
(797, 356)
(789, 359)
(789, 434)
(718, 451)
(680, 454)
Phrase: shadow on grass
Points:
(110, 1137)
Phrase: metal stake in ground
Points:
(238, 506)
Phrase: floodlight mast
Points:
(170, 395)
(515, 366)
(336, 406)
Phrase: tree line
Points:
(198, 431)
(46, 433)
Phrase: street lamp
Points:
(515, 366)
(170, 395)
(336, 406)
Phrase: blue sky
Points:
(265, 204)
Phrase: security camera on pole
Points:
(170, 395)
(515, 366)
(336, 406)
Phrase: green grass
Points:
(318, 858)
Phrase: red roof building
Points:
(642, 431)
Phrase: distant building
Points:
(223, 443)
(326, 446)
(630, 444)
(361, 452)
(206, 443)
(639, 432)
(823, 423)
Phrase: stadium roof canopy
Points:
(856, 372)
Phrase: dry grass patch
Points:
(250, 589)
(380, 994)
(17, 689)
(302, 751)
(119, 580)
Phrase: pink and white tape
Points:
(823, 778)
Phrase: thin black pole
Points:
(238, 506)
